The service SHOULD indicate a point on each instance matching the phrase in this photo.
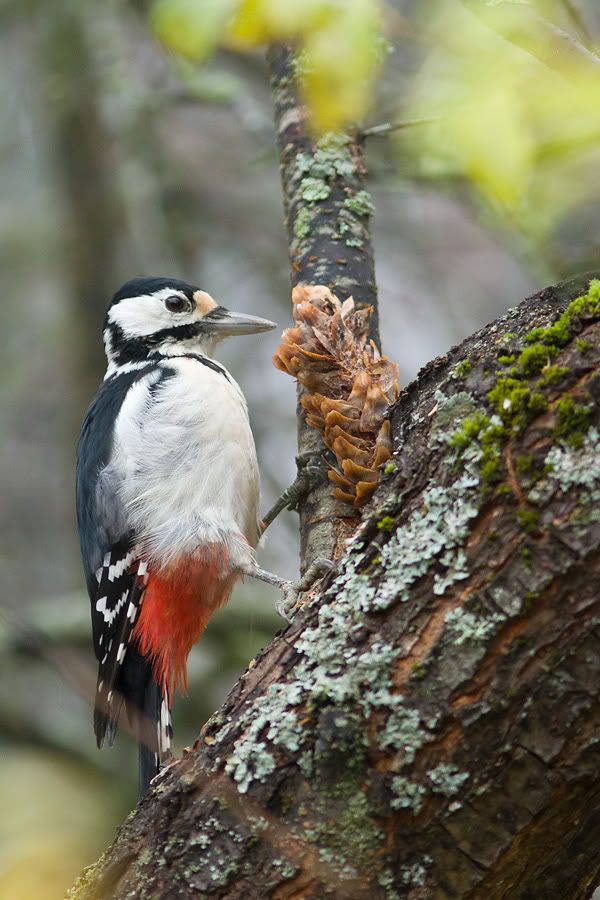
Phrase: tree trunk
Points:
(327, 212)
(428, 726)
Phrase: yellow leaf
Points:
(259, 22)
(191, 28)
(340, 62)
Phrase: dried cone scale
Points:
(349, 386)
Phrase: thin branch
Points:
(388, 127)
(552, 46)
(578, 21)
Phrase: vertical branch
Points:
(84, 165)
(327, 213)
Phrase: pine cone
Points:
(349, 386)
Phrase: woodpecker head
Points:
(165, 316)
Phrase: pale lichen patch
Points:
(464, 626)
(567, 467)
(436, 532)
(446, 779)
(407, 794)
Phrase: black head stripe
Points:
(137, 287)
(205, 361)
(126, 349)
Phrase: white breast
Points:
(186, 462)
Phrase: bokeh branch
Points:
(552, 46)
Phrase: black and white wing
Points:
(115, 580)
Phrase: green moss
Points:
(503, 490)
(462, 369)
(529, 520)
(490, 471)
(586, 307)
(524, 464)
(507, 360)
(553, 374)
(418, 670)
(389, 469)
(537, 404)
(386, 524)
(533, 359)
(582, 345)
(360, 204)
(515, 402)
(480, 429)
(449, 410)
(573, 421)
(525, 554)
(469, 430)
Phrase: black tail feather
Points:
(149, 752)
(147, 712)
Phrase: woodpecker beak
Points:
(224, 323)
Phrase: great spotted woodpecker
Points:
(167, 500)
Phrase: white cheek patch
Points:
(145, 314)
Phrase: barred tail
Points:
(149, 715)
(154, 746)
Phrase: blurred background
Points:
(119, 159)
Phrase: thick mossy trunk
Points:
(428, 726)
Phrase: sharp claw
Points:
(164, 768)
(284, 612)
(291, 590)
(289, 600)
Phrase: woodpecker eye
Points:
(176, 304)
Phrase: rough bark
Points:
(427, 726)
(327, 213)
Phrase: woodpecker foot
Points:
(309, 474)
(291, 591)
